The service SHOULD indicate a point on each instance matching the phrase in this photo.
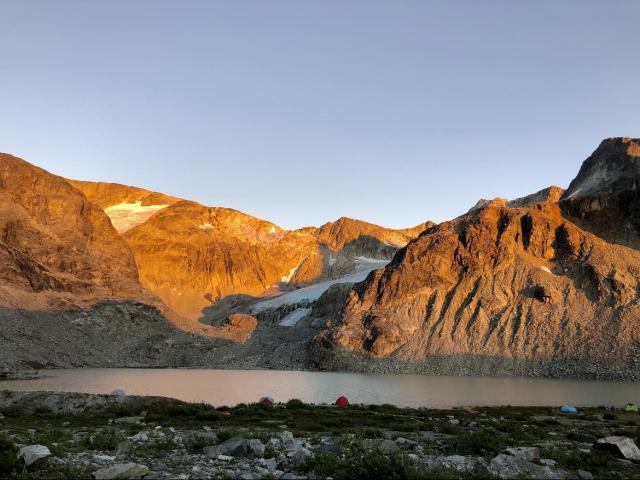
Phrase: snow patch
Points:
(126, 215)
(364, 266)
(293, 318)
(205, 226)
(287, 278)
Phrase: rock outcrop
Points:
(58, 249)
(525, 281)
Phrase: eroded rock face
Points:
(501, 281)
(57, 249)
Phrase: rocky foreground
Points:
(69, 435)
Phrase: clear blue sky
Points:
(300, 112)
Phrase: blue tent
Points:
(569, 409)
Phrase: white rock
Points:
(32, 453)
(118, 393)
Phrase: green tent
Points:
(631, 407)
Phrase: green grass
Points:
(8, 452)
(483, 443)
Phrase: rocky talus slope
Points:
(528, 284)
(58, 250)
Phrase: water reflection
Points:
(229, 387)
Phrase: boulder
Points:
(476, 466)
(508, 466)
(33, 453)
(236, 447)
(527, 453)
(299, 456)
(623, 447)
(121, 471)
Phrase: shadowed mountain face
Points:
(512, 279)
(58, 249)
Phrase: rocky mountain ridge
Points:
(524, 280)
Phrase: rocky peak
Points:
(605, 192)
(550, 194)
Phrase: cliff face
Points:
(523, 281)
(58, 249)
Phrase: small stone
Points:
(139, 437)
(121, 471)
(129, 420)
(119, 393)
(584, 475)
(547, 462)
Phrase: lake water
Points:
(229, 387)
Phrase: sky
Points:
(300, 112)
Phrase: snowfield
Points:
(291, 319)
(311, 293)
(124, 216)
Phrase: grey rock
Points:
(547, 462)
(129, 420)
(299, 456)
(527, 453)
(118, 393)
(508, 466)
(388, 446)
(271, 464)
(405, 441)
(33, 453)
(584, 475)
(624, 447)
(237, 447)
(140, 437)
(124, 447)
(121, 471)
(473, 465)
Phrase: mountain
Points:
(515, 287)
(58, 249)
(192, 256)
(126, 206)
